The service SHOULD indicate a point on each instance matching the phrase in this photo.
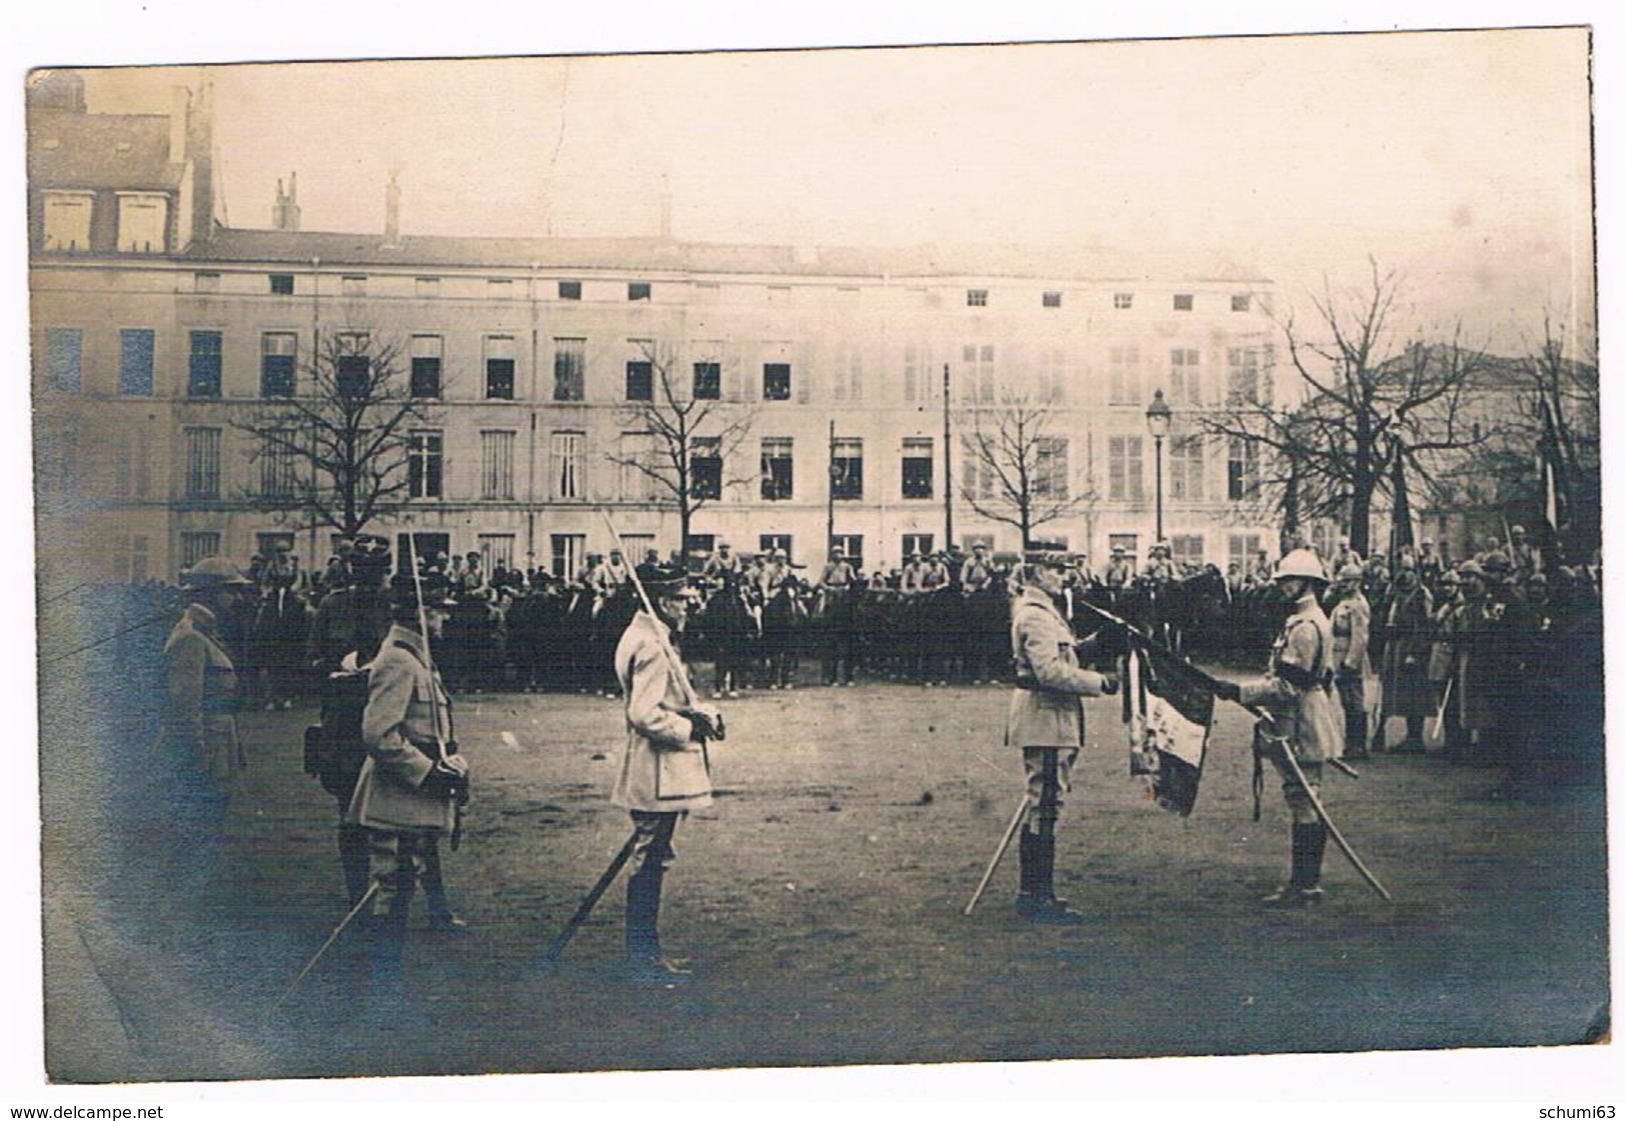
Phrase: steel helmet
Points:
(1301, 563)
(1350, 572)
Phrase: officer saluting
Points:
(413, 780)
(665, 771)
(1046, 722)
(1304, 718)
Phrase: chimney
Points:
(285, 215)
(392, 211)
(179, 104)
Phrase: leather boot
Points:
(645, 964)
(1355, 729)
(1038, 902)
(442, 919)
(1303, 888)
(354, 861)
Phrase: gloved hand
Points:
(707, 723)
(1109, 685)
(1227, 691)
(447, 779)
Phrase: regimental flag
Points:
(1170, 712)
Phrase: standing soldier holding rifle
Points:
(1302, 729)
(666, 771)
(413, 783)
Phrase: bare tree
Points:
(1550, 453)
(1015, 469)
(1370, 413)
(691, 434)
(334, 443)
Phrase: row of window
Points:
(425, 287)
(428, 287)
(279, 466)
(1247, 373)
(1122, 301)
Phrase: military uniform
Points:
(1304, 719)
(1351, 664)
(407, 720)
(665, 772)
(349, 626)
(200, 755)
(1046, 722)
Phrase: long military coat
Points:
(1050, 713)
(664, 769)
(405, 701)
(199, 727)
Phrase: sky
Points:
(1461, 160)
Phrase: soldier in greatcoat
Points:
(1351, 660)
(349, 626)
(1046, 723)
(199, 754)
(1406, 690)
(413, 780)
(665, 771)
(1303, 718)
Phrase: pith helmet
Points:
(214, 572)
(1301, 563)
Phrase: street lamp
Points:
(1157, 418)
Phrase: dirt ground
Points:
(820, 901)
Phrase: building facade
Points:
(535, 359)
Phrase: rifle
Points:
(678, 673)
(461, 797)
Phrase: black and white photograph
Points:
(828, 556)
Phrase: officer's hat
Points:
(403, 590)
(670, 585)
(215, 572)
(369, 551)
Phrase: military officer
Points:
(722, 566)
(1351, 660)
(1046, 723)
(199, 754)
(1303, 718)
(349, 626)
(413, 780)
(665, 771)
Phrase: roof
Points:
(657, 255)
(101, 150)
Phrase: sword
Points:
(550, 956)
(998, 855)
(372, 889)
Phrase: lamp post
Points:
(1157, 418)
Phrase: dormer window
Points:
(67, 220)
(143, 222)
